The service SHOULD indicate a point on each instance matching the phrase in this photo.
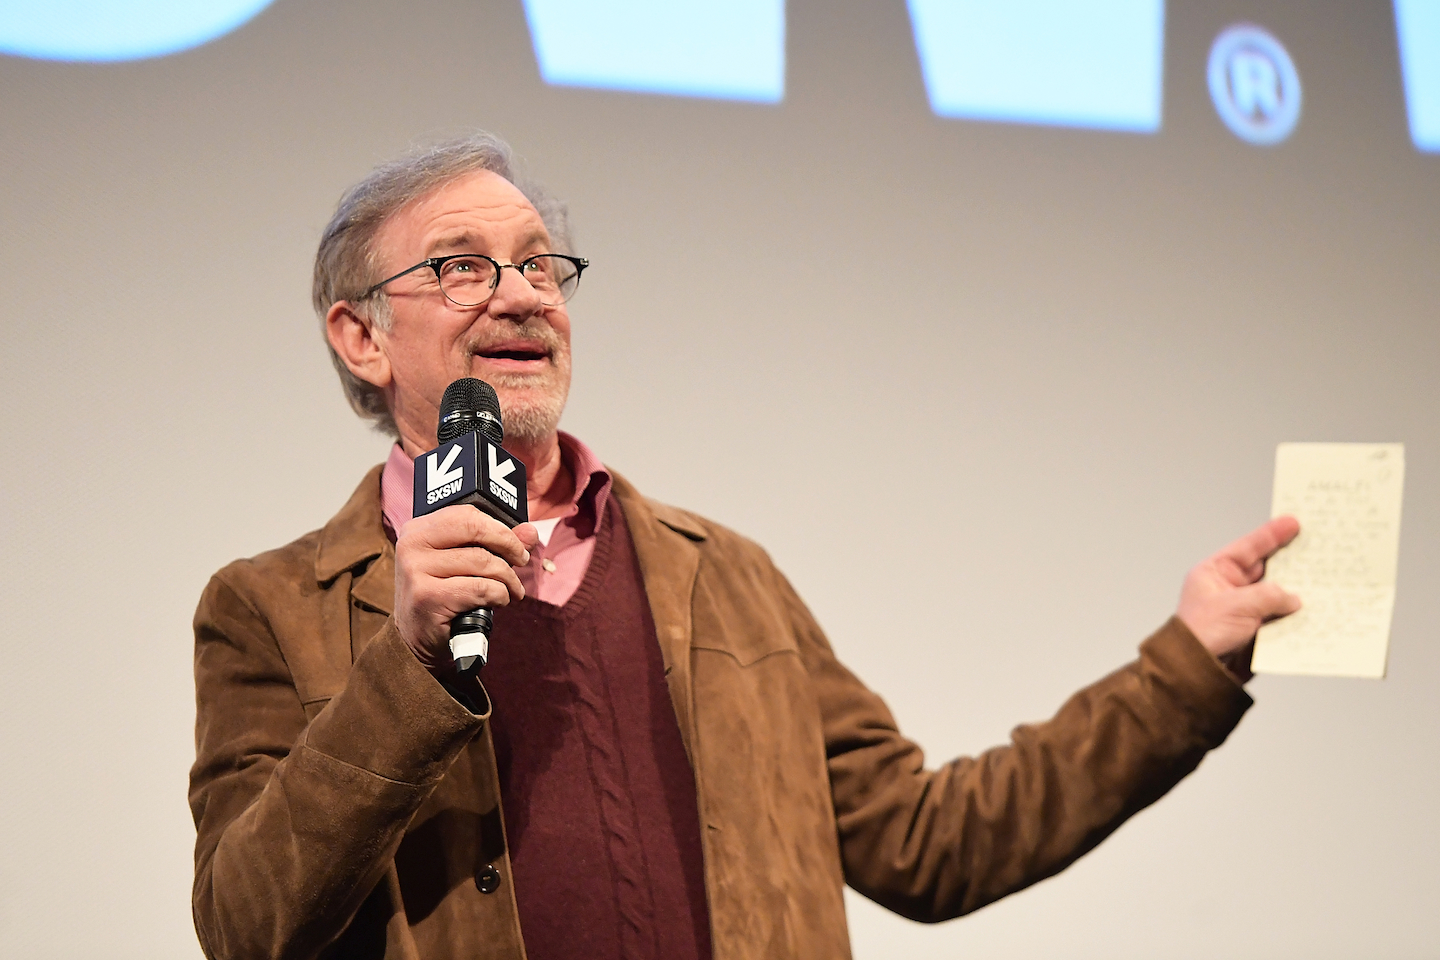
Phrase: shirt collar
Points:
(592, 487)
(587, 504)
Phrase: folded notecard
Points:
(1347, 499)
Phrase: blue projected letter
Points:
(117, 29)
(1417, 23)
(730, 50)
(1073, 63)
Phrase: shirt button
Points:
(548, 564)
(488, 879)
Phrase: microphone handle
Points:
(470, 631)
(470, 640)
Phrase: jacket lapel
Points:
(355, 534)
(665, 541)
(354, 542)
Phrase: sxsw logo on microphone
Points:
(441, 480)
(448, 474)
(463, 472)
(444, 478)
(500, 487)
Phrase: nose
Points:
(514, 298)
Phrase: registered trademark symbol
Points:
(1254, 84)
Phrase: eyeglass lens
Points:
(469, 281)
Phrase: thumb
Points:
(528, 535)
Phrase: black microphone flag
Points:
(471, 467)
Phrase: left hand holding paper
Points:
(1223, 600)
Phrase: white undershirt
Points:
(545, 528)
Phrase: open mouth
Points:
(515, 353)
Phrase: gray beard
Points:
(535, 415)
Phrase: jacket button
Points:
(488, 879)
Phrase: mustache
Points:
(540, 334)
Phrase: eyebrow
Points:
(464, 240)
(467, 242)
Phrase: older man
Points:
(664, 758)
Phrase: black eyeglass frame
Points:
(437, 263)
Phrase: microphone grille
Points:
(470, 405)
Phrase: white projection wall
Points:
(1002, 384)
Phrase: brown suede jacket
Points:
(347, 805)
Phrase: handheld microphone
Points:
(469, 466)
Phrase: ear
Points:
(355, 340)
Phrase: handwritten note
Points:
(1347, 499)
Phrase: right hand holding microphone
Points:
(448, 562)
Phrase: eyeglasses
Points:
(469, 279)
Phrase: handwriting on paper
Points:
(1347, 499)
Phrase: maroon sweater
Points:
(599, 797)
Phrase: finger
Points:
(462, 525)
(1259, 544)
(455, 595)
(465, 562)
(1265, 601)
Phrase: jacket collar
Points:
(354, 538)
(677, 520)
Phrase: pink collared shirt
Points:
(558, 564)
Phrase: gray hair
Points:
(346, 264)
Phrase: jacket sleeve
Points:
(297, 822)
(934, 844)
